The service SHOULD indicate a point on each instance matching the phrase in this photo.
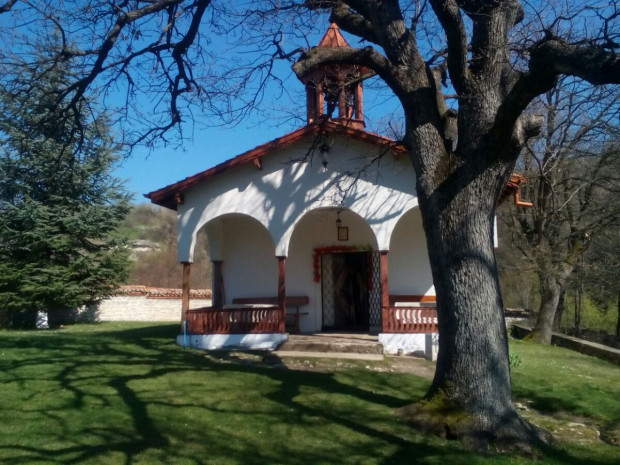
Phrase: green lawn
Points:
(126, 394)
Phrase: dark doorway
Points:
(346, 291)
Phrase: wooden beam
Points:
(359, 102)
(519, 202)
(218, 284)
(187, 268)
(342, 102)
(282, 292)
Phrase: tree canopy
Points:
(573, 178)
(60, 206)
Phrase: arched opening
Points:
(338, 272)
(409, 270)
(244, 259)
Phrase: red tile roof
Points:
(161, 292)
(333, 38)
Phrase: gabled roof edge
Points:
(172, 194)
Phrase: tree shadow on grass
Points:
(115, 397)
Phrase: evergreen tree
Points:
(60, 206)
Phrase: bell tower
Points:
(335, 92)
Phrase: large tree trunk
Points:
(578, 310)
(557, 320)
(552, 279)
(550, 292)
(471, 392)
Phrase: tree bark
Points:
(472, 378)
(458, 186)
(552, 279)
(578, 309)
(618, 322)
(551, 290)
(557, 320)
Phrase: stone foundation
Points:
(425, 344)
(269, 341)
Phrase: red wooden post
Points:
(359, 102)
(342, 100)
(282, 293)
(187, 268)
(217, 299)
(385, 291)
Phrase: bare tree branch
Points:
(7, 6)
(367, 56)
(351, 22)
(449, 15)
(554, 56)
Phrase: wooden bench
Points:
(292, 318)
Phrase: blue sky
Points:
(146, 171)
(205, 146)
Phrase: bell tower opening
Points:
(335, 92)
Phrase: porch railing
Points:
(210, 320)
(256, 320)
(409, 320)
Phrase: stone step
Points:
(337, 355)
(338, 346)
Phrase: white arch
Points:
(279, 195)
(189, 224)
(324, 227)
(380, 210)
(409, 270)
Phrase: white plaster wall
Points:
(409, 271)
(283, 191)
(250, 267)
(318, 229)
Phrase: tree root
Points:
(507, 432)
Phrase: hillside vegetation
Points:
(153, 237)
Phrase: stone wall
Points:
(135, 303)
(579, 345)
(142, 308)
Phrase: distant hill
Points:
(153, 240)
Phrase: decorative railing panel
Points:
(409, 320)
(233, 320)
